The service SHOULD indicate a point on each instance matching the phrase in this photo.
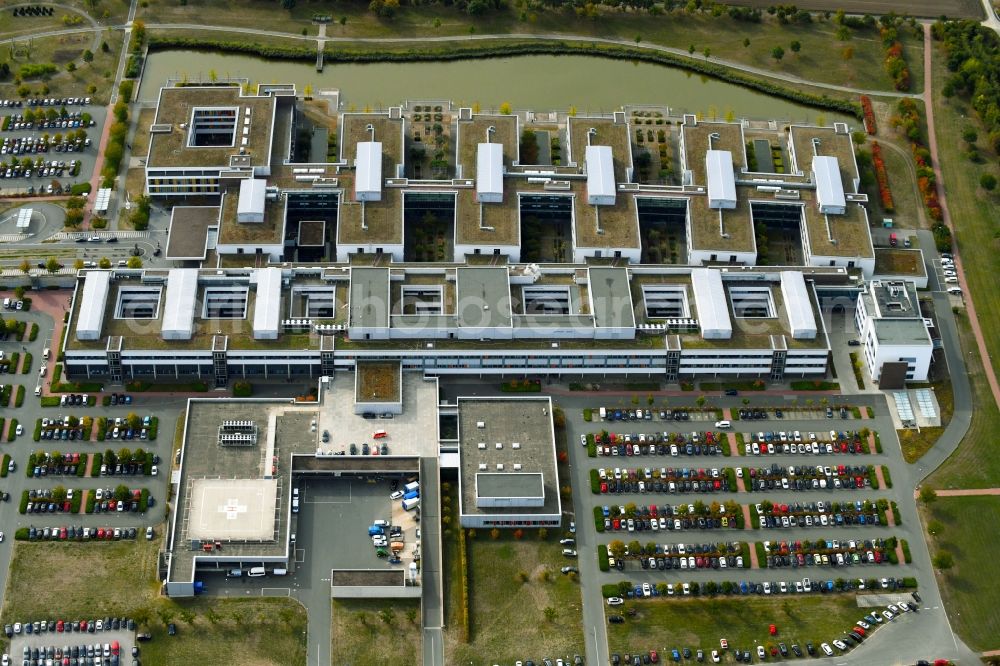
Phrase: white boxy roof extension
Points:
(829, 185)
(798, 306)
(713, 306)
(95, 298)
(489, 172)
(600, 175)
(178, 310)
(368, 176)
(267, 307)
(721, 179)
(250, 207)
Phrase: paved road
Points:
(431, 577)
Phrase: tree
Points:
(935, 527)
(927, 494)
(134, 262)
(133, 420)
(121, 492)
(634, 547)
(59, 494)
(71, 66)
(617, 549)
(550, 613)
(777, 53)
(746, 42)
(707, 52)
(104, 262)
(969, 135)
(88, 56)
(988, 182)
(692, 49)
(385, 615)
(52, 265)
(25, 266)
(543, 533)
(796, 46)
(494, 534)
(847, 52)
(78, 264)
(700, 401)
(943, 560)
(505, 108)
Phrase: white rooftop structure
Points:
(368, 164)
(267, 308)
(721, 179)
(600, 175)
(178, 311)
(713, 307)
(801, 318)
(489, 173)
(95, 299)
(253, 192)
(24, 217)
(102, 200)
(829, 185)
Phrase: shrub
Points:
(588, 414)
(4, 462)
(609, 590)
(242, 389)
(23, 508)
(907, 558)
(12, 429)
(887, 476)
(595, 482)
(19, 397)
(602, 559)
(598, 519)
(26, 364)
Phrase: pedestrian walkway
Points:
(12, 238)
(965, 492)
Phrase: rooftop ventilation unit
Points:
(499, 445)
(482, 467)
(482, 446)
(480, 424)
(516, 445)
(517, 467)
(499, 467)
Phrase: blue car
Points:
(744, 588)
(675, 654)
(606, 510)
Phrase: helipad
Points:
(232, 509)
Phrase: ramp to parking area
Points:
(432, 606)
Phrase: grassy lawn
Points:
(723, 36)
(65, 48)
(908, 207)
(973, 210)
(119, 579)
(971, 605)
(376, 631)
(916, 444)
(109, 12)
(974, 464)
(501, 600)
(664, 624)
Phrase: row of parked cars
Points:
(829, 552)
(65, 464)
(664, 518)
(76, 655)
(77, 533)
(806, 477)
(662, 444)
(67, 626)
(809, 514)
(615, 414)
(662, 480)
(35, 145)
(61, 120)
(868, 624)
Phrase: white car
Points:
(761, 653)
(615, 601)
(888, 615)
(827, 650)
(583, 440)
(396, 495)
(379, 540)
(20, 430)
(154, 471)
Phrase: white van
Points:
(723, 425)
(38, 391)
(45, 353)
(955, 291)
(256, 572)
(604, 413)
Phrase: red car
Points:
(115, 648)
(100, 532)
(616, 523)
(83, 625)
(60, 625)
(773, 630)
(63, 534)
(653, 657)
(604, 487)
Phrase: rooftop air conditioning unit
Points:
(517, 467)
(480, 424)
(482, 467)
(499, 467)
(499, 445)
(482, 446)
(516, 445)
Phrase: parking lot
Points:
(820, 461)
(42, 146)
(84, 648)
(334, 518)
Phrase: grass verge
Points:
(376, 631)
(957, 523)
(514, 583)
(700, 623)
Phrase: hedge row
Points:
(761, 555)
(602, 558)
(506, 49)
(591, 446)
(595, 482)
(463, 571)
(19, 396)
(906, 550)
(599, 518)
(886, 476)
(588, 414)
(26, 364)
(4, 462)
(12, 428)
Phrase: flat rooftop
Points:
(830, 143)
(899, 261)
(526, 421)
(483, 297)
(473, 132)
(488, 223)
(371, 222)
(175, 107)
(697, 140)
(608, 133)
(844, 235)
(269, 232)
(378, 381)
(894, 299)
(901, 332)
(388, 132)
(189, 231)
(723, 230)
(610, 227)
